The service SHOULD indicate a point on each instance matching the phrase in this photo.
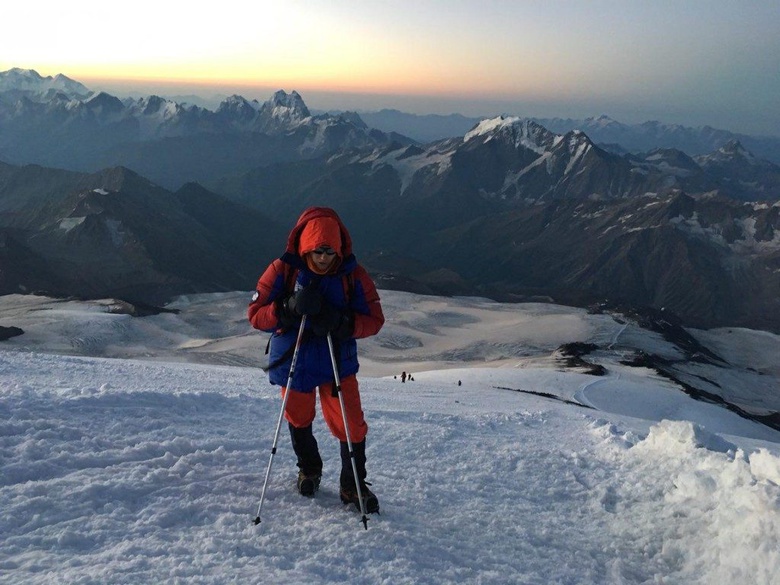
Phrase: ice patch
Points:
(69, 223)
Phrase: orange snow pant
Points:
(300, 409)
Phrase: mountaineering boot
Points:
(348, 492)
(309, 460)
(348, 495)
(308, 484)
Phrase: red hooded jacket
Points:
(347, 286)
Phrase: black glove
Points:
(307, 301)
(287, 319)
(346, 327)
(340, 324)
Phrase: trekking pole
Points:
(281, 415)
(337, 390)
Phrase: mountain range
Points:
(53, 123)
(514, 211)
(603, 130)
(114, 233)
(510, 210)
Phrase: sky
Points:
(148, 466)
(695, 62)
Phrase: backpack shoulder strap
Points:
(350, 287)
(289, 278)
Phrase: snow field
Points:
(136, 472)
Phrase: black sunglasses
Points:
(326, 251)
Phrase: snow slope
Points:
(148, 467)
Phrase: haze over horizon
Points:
(698, 63)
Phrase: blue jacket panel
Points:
(314, 366)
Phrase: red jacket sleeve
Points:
(368, 324)
(270, 286)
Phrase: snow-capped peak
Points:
(239, 106)
(603, 121)
(490, 125)
(157, 108)
(18, 78)
(282, 112)
(731, 152)
(237, 100)
(734, 148)
(30, 81)
(288, 106)
(520, 131)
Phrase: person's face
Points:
(323, 257)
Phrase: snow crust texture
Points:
(122, 471)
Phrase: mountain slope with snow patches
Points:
(148, 466)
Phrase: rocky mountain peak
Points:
(603, 121)
(354, 119)
(105, 103)
(282, 113)
(292, 102)
(576, 138)
(671, 158)
(117, 179)
(731, 153)
(734, 148)
(151, 104)
(238, 108)
(236, 101)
